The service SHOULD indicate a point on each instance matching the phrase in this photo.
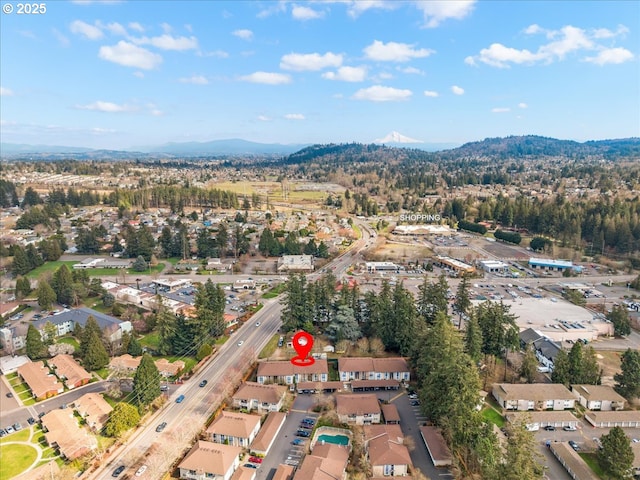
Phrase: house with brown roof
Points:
(284, 472)
(366, 368)
(386, 452)
(238, 429)
(436, 446)
(268, 433)
(326, 462)
(64, 433)
(127, 363)
(284, 372)
(42, 383)
(598, 397)
(244, 473)
(69, 371)
(624, 419)
(533, 396)
(94, 409)
(210, 461)
(263, 398)
(390, 414)
(169, 369)
(358, 408)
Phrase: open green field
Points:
(591, 459)
(491, 415)
(22, 456)
(270, 347)
(21, 436)
(273, 190)
(49, 267)
(129, 271)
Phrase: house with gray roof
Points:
(66, 321)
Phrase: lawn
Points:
(275, 291)
(151, 340)
(189, 362)
(11, 376)
(591, 459)
(270, 347)
(221, 340)
(493, 416)
(20, 388)
(71, 341)
(102, 373)
(21, 436)
(49, 267)
(22, 456)
(115, 271)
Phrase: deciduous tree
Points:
(123, 417)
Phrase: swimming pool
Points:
(335, 439)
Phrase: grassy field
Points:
(49, 267)
(151, 340)
(591, 459)
(21, 436)
(275, 291)
(491, 415)
(22, 456)
(270, 347)
(102, 373)
(70, 341)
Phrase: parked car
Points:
(255, 459)
(164, 388)
(141, 470)
(31, 420)
(574, 445)
(297, 441)
(569, 428)
(309, 421)
(118, 471)
(10, 430)
(3, 432)
(161, 427)
(250, 465)
(203, 383)
(415, 403)
(306, 426)
(257, 324)
(9, 395)
(303, 433)
(413, 396)
(17, 426)
(550, 428)
(180, 399)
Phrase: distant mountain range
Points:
(502, 147)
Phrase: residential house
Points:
(533, 396)
(295, 263)
(284, 472)
(358, 408)
(94, 409)
(546, 351)
(268, 433)
(45, 471)
(284, 372)
(598, 397)
(127, 363)
(210, 461)
(390, 414)
(386, 452)
(528, 336)
(69, 371)
(325, 462)
(365, 368)
(11, 363)
(65, 322)
(244, 473)
(41, 381)
(64, 433)
(14, 338)
(238, 429)
(263, 398)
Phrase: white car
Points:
(240, 343)
(413, 396)
(141, 470)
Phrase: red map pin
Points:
(302, 343)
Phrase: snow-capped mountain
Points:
(395, 137)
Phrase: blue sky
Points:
(117, 74)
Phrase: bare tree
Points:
(362, 346)
(376, 347)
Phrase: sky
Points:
(120, 74)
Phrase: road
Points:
(185, 419)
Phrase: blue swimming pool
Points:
(335, 439)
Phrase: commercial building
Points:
(553, 265)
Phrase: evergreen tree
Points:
(123, 417)
(166, 326)
(520, 455)
(35, 346)
(165, 241)
(62, 284)
(49, 333)
(33, 257)
(296, 311)
(575, 363)
(45, 294)
(498, 326)
(291, 244)
(266, 240)
(222, 239)
(134, 348)
(20, 265)
(591, 371)
(96, 356)
(432, 299)
(561, 370)
(473, 339)
(344, 325)
(183, 339)
(206, 244)
(616, 455)
(89, 329)
(31, 198)
(529, 365)
(140, 265)
(462, 301)
(628, 380)
(204, 351)
(323, 250)
(23, 287)
(310, 248)
(146, 382)
(403, 321)
(619, 317)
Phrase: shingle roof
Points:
(95, 408)
(68, 368)
(357, 404)
(268, 431)
(367, 364)
(40, 381)
(239, 425)
(598, 392)
(209, 457)
(385, 450)
(529, 336)
(534, 391)
(262, 393)
(326, 462)
(79, 315)
(63, 430)
(285, 367)
(547, 348)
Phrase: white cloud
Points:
(457, 90)
(294, 116)
(357, 7)
(91, 32)
(268, 78)
(264, 118)
(166, 28)
(567, 40)
(347, 74)
(379, 93)
(214, 53)
(169, 42)
(138, 74)
(411, 70)
(523, 105)
(6, 92)
(243, 33)
(305, 13)
(431, 93)
(129, 55)
(27, 34)
(500, 110)
(611, 56)
(533, 29)
(108, 107)
(156, 113)
(195, 80)
(102, 131)
(310, 61)
(114, 27)
(274, 8)
(394, 52)
(437, 11)
(62, 40)
(136, 26)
